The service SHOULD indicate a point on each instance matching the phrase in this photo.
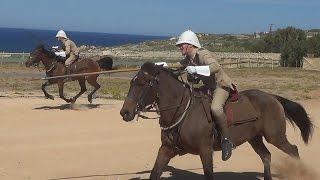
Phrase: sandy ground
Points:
(49, 140)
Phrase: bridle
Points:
(153, 82)
(49, 68)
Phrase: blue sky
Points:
(161, 17)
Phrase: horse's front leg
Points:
(165, 153)
(61, 85)
(43, 87)
(207, 161)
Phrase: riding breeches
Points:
(220, 97)
(70, 60)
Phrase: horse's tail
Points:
(105, 63)
(297, 115)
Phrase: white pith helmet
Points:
(61, 33)
(189, 37)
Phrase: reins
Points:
(162, 109)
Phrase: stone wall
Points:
(131, 53)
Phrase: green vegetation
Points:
(314, 45)
(291, 42)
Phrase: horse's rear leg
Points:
(93, 82)
(259, 147)
(207, 161)
(82, 83)
(43, 87)
(165, 153)
(283, 144)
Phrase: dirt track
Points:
(43, 139)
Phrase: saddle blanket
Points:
(240, 111)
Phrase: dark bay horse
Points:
(55, 68)
(185, 128)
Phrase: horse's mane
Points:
(153, 69)
(45, 51)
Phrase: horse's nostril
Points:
(124, 112)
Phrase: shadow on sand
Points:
(179, 174)
(72, 107)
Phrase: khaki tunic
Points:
(71, 50)
(204, 57)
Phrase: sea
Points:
(25, 40)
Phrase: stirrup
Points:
(226, 147)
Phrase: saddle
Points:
(72, 68)
(238, 108)
(62, 59)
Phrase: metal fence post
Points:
(22, 59)
(1, 58)
(238, 62)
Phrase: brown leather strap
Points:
(228, 89)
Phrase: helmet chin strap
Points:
(187, 51)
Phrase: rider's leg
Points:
(68, 62)
(220, 97)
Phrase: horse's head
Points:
(40, 53)
(142, 91)
(35, 56)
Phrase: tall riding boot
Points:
(67, 72)
(226, 144)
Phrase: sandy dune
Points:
(43, 139)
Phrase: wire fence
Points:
(13, 57)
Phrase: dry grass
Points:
(288, 82)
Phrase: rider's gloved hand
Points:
(201, 70)
(191, 69)
(61, 53)
(164, 64)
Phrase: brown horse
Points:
(185, 127)
(54, 67)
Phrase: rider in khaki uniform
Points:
(200, 61)
(70, 48)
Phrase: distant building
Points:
(256, 35)
(311, 34)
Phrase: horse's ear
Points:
(40, 46)
(157, 68)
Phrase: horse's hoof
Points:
(73, 100)
(267, 177)
(90, 100)
(50, 97)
